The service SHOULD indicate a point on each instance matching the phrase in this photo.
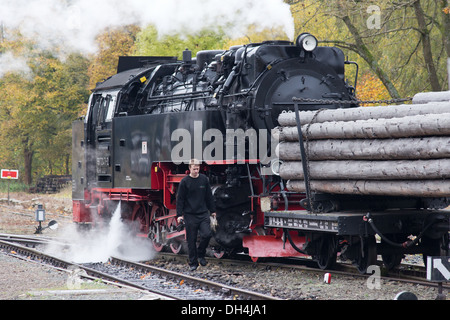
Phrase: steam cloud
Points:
(11, 63)
(74, 24)
(116, 240)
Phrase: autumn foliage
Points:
(371, 88)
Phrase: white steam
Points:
(74, 24)
(115, 240)
(11, 63)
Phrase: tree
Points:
(371, 88)
(113, 43)
(66, 97)
(150, 43)
(426, 45)
(254, 36)
(37, 109)
(390, 48)
(445, 25)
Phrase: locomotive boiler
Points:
(145, 123)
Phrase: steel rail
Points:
(66, 265)
(243, 293)
(194, 281)
(343, 269)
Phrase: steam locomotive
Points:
(145, 123)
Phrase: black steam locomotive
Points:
(145, 123)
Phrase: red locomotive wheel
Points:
(219, 254)
(140, 219)
(176, 247)
(158, 246)
(156, 228)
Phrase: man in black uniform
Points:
(194, 204)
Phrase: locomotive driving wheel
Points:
(176, 245)
(157, 227)
(219, 253)
(140, 219)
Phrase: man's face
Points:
(195, 170)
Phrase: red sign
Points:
(10, 174)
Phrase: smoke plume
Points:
(74, 24)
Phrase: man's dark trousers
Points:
(197, 224)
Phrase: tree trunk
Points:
(426, 46)
(365, 53)
(28, 161)
(67, 165)
(413, 126)
(365, 113)
(425, 188)
(369, 149)
(445, 10)
(368, 170)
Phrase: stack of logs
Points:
(391, 150)
(52, 184)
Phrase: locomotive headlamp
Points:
(307, 41)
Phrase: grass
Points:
(19, 187)
(64, 193)
(14, 186)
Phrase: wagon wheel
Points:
(156, 228)
(367, 254)
(435, 247)
(328, 253)
(393, 260)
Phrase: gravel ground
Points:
(22, 280)
(301, 285)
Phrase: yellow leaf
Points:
(145, 275)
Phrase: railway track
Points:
(164, 283)
(208, 284)
(405, 273)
